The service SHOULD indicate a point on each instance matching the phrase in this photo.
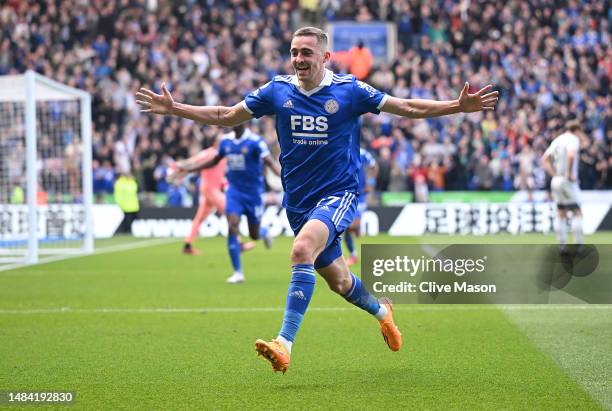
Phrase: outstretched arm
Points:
(483, 99)
(211, 115)
(190, 165)
(272, 165)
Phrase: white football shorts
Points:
(565, 192)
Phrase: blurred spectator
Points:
(435, 175)
(504, 181)
(103, 178)
(384, 169)
(421, 191)
(608, 174)
(483, 176)
(310, 11)
(160, 174)
(177, 196)
(527, 161)
(359, 60)
(17, 195)
(126, 197)
(587, 170)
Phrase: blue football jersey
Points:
(318, 133)
(245, 161)
(367, 161)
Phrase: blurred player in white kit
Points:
(560, 161)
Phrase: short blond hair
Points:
(321, 36)
(573, 126)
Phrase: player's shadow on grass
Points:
(559, 266)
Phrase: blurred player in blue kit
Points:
(317, 113)
(367, 178)
(246, 154)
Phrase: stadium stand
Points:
(551, 61)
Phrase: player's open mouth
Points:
(301, 69)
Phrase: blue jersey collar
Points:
(327, 80)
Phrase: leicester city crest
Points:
(331, 106)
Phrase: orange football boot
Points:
(275, 352)
(390, 332)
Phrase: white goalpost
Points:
(45, 169)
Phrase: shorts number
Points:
(332, 200)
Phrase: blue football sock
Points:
(233, 246)
(299, 294)
(359, 296)
(348, 238)
(263, 232)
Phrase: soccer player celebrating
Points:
(246, 154)
(317, 114)
(560, 161)
(367, 175)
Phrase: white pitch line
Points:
(505, 307)
(104, 250)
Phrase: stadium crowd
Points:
(551, 61)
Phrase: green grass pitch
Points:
(148, 328)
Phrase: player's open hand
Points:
(483, 99)
(155, 103)
(175, 173)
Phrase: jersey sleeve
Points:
(222, 145)
(369, 160)
(551, 149)
(367, 99)
(262, 148)
(576, 144)
(260, 102)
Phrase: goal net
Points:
(45, 169)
